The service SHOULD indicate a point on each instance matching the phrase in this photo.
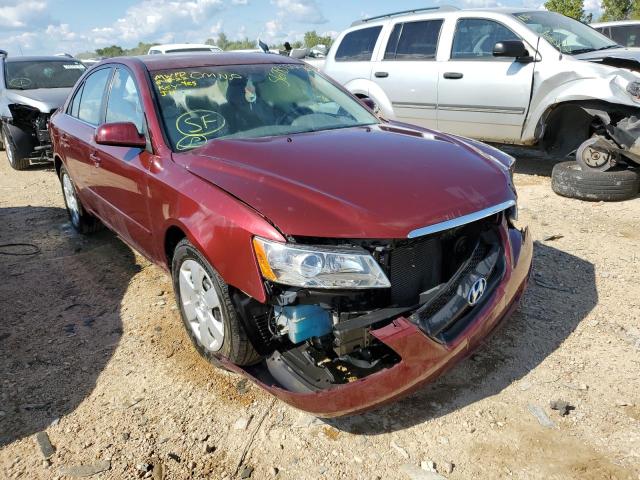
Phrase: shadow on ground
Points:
(561, 293)
(60, 315)
(532, 161)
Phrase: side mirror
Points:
(512, 49)
(367, 102)
(120, 134)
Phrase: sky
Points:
(43, 27)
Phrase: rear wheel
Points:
(17, 160)
(206, 309)
(81, 220)
(570, 180)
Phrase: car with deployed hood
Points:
(508, 76)
(338, 260)
(31, 89)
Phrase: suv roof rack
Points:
(443, 8)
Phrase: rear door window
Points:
(90, 109)
(414, 41)
(75, 104)
(357, 46)
(475, 38)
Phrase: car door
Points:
(479, 95)
(120, 179)
(408, 71)
(77, 133)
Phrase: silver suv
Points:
(508, 76)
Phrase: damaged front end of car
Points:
(29, 129)
(350, 324)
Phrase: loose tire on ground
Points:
(569, 180)
(18, 158)
(235, 345)
(81, 220)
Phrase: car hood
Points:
(616, 57)
(362, 182)
(44, 99)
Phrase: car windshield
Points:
(567, 35)
(26, 75)
(250, 101)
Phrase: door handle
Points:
(453, 75)
(381, 74)
(95, 159)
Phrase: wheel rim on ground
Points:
(70, 199)
(593, 158)
(201, 305)
(7, 147)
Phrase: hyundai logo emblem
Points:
(477, 291)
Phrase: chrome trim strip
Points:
(421, 106)
(479, 108)
(457, 222)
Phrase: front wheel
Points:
(17, 159)
(206, 309)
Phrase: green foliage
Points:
(569, 8)
(112, 51)
(225, 44)
(311, 39)
(616, 9)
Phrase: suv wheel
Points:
(81, 220)
(206, 309)
(570, 180)
(16, 160)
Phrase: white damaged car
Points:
(507, 76)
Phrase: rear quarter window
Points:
(357, 46)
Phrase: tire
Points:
(81, 220)
(219, 314)
(18, 159)
(569, 180)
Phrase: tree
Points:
(569, 8)
(141, 49)
(311, 39)
(112, 51)
(616, 9)
(222, 42)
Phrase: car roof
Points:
(436, 11)
(189, 60)
(615, 23)
(169, 46)
(40, 59)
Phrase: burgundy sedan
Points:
(337, 259)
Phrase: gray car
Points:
(31, 89)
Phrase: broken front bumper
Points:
(422, 359)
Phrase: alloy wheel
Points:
(71, 199)
(201, 305)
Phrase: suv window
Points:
(357, 46)
(124, 102)
(475, 38)
(414, 41)
(626, 35)
(92, 94)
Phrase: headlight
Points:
(317, 267)
(634, 90)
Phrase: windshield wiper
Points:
(589, 50)
(609, 46)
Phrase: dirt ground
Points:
(92, 352)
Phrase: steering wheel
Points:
(20, 82)
(285, 118)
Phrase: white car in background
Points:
(183, 48)
(503, 75)
(623, 32)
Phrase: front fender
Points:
(367, 88)
(571, 86)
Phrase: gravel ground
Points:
(92, 352)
